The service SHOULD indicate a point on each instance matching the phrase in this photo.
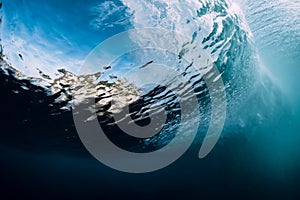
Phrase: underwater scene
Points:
(150, 99)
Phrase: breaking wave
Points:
(44, 102)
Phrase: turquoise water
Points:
(254, 44)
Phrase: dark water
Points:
(256, 158)
(43, 157)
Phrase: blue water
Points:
(255, 45)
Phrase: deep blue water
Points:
(254, 44)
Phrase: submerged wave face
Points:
(259, 150)
(218, 26)
(275, 25)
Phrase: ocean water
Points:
(254, 45)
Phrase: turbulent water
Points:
(254, 44)
(275, 25)
(218, 26)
